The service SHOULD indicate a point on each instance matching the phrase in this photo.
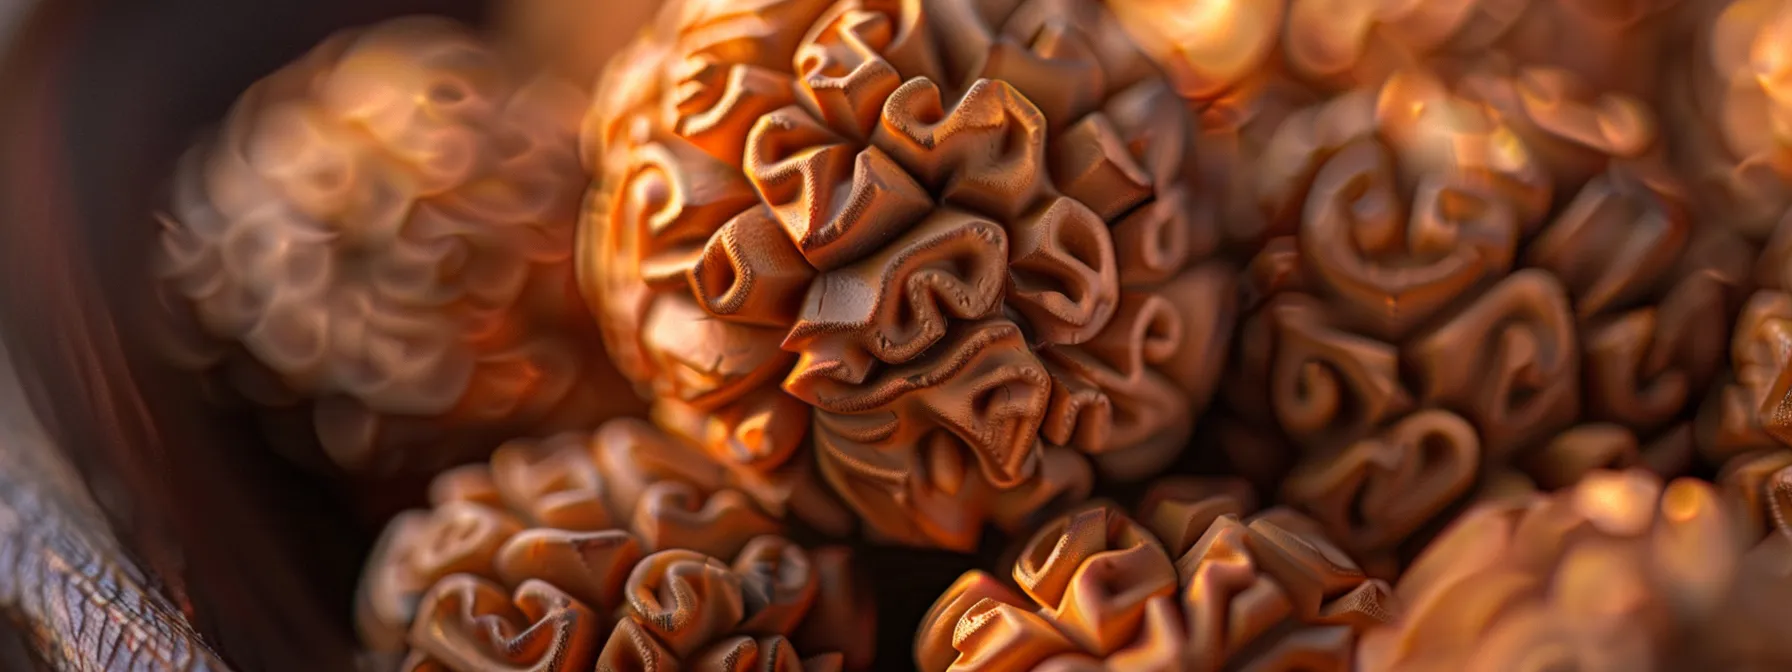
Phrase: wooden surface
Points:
(65, 583)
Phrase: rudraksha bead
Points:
(1751, 410)
(1758, 487)
(1381, 498)
(376, 247)
(1729, 104)
(1573, 77)
(1191, 584)
(1615, 573)
(1441, 313)
(1226, 51)
(952, 245)
(621, 548)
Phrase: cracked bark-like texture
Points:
(66, 584)
(376, 249)
(953, 243)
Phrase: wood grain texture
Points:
(65, 582)
(72, 597)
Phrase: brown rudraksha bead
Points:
(1224, 51)
(376, 247)
(1572, 76)
(1189, 585)
(951, 244)
(1758, 486)
(1751, 410)
(623, 548)
(1440, 313)
(1729, 104)
(1381, 497)
(1617, 573)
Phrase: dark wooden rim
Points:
(66, 583)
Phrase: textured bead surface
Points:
(1452, 300)
(1487, 300)
(376, 247)
(1618, 572)
(620, 549)
(962, 236)
(1196, 582)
